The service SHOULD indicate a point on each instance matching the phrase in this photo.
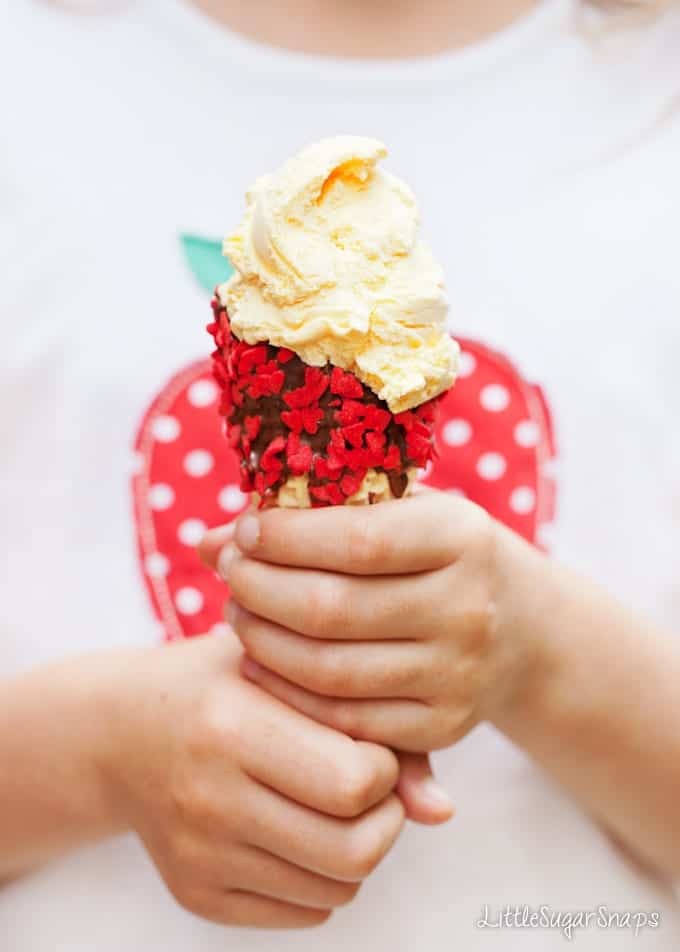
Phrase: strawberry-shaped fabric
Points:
(495, 445)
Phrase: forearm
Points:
(601, 710)
(53, 731)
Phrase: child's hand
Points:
(253, 813)
(394, 623)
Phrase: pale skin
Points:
(175, 744)
(423, 617)
(252, 813)
(382, 29)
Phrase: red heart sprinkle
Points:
(392, 458)
(354, 434)
(252, 357)
(351, 483)
(252, 425)
(345, 384)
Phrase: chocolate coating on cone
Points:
(285, 418)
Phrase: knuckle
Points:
(358, 789)
(183, 856)
(453, 725)
(345, 717)
(192, 805)
(210, 733)
(476, 525)
(249, 630)
(214, 727)
(366, 546)
(477, 626)
(363, 852)
(329, 610)
(330, 674)
(412, 673)
(369, 838)
(315, 918)
(344, 893)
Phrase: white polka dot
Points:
(494, 398)
(191, 531)
(523, 500)
(491, 466)
(467, 364)
(189, 601)
(202, 393)
(456, 432)
(456, 491)
(165, 429)
(198, 462)
(220, 629)
(161, 496)
(526, 433)
(231, 499)
(156, 565)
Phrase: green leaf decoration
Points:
(206, 261)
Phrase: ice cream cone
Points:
(313, 436)
(331, 339)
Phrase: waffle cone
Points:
(375, 488)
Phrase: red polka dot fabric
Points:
(494, 439)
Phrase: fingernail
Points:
(435, 795)
(224, 562)
(247, 533)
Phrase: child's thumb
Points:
(424, 800)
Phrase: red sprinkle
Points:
(299, 455)
(406, 419)
(352, 411)
(354, 435)
(311, 418)
(269, 458)
(351, 484)
(376, 442)
(315, 385)
(252, 357)
(345, 384)
(252, 425)
(329, 492)
(376, 418)
(330, 468)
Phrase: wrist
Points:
(546, 611)
(120, 731)
(526, 598)
(54, 737)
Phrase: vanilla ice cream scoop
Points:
(329, 264)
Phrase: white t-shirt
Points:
(546, 165)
